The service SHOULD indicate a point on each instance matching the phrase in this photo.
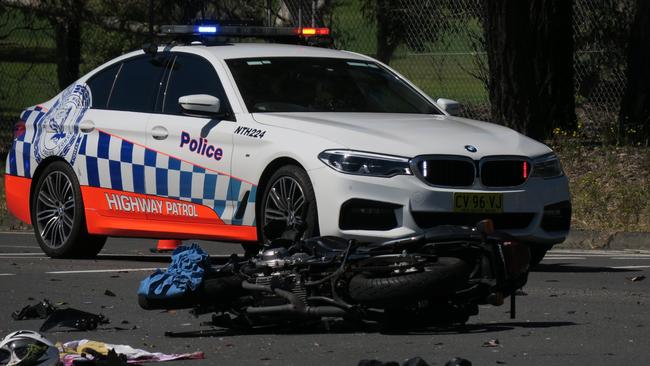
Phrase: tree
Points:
(530, 59)
(635, 106)
(301, 12)
(65, 17)
(414, 23)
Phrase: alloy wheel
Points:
(55, 209)
(285, 203)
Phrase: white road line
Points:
(20, 246)
(7, 274)
(630, 267)
(21, 254)
(596, 252)
(596, 255)
(146, 255)
(104, 270)
(563, 258)
(23, 257)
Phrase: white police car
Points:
(235, 142)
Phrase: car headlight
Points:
(547, 166)
(364, 163)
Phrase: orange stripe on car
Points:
(17, 195)
(118, 213)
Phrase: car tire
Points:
(57, 214)
(537, 253)
(288, 202)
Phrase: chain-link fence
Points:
(438, 44)
(442, 50)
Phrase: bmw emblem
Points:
(471, 148)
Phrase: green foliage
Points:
(602, 31)
(610, 187)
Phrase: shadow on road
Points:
(571, 268)
(491, 327)
(158, 258)
(342, 327)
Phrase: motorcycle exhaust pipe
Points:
(290, 309)
(295, 306)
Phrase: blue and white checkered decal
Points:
(134, 168)
(20, 160)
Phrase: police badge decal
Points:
(57, 132)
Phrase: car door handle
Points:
(159, 133)
(87, 126)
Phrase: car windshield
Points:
(308, 84)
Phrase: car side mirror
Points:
(201, 104)
(448, 105)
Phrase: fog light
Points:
(557, 217)
(358, 214)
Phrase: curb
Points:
(588, 239)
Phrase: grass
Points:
(610, 186)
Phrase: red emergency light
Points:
(306, 32)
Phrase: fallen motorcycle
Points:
(438, 277)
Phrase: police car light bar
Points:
(242, 31)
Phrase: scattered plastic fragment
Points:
(636, 278)
(40, 310)
(109, 293)
(491, 343)
(73, 318)
(80, 352)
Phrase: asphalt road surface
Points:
(579, 308)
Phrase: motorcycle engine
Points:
(275, 269)
(272, 258)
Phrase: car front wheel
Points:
(288, 204)
(57, 214)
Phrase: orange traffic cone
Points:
(166, 245)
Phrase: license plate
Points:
(478, 202)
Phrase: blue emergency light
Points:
(207, 29)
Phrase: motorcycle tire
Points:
(439, 279)
(537, 253)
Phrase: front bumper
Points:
(417, 205)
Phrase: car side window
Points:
(192, 74)
(137, 84)
(101, 85)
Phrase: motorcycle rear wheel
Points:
(439, 279)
